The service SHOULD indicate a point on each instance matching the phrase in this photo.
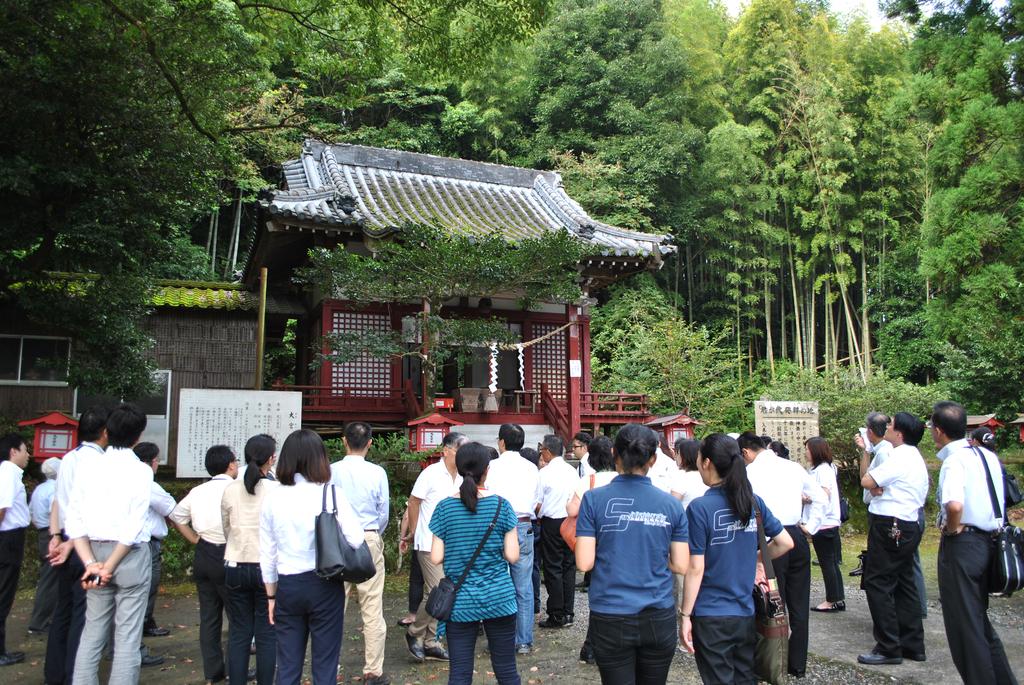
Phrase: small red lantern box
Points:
(674, 427)
(427, 432)
(56, 435)
(444, 403)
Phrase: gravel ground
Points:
(835, 641)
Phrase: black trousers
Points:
(537, 553)
(829, 548)
(68, 621)
(308, 608)
(724, 648)
(559, 565)
(963, 588)
(635, 649)
(415, 582)
(890, 584)
(501, 642)
(155, 547)
(247, 620)
(208, 572)
(793, 571)
(12, 554)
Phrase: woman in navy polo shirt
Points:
(633, 536)
(718, 609)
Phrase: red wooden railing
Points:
(413, 408)
(613, 404)
(328, 397)
(553, 413)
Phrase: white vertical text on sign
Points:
(791, 423)
(230, 417)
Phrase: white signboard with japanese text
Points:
(230, 417)
(791, 423)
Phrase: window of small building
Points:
(34, 360)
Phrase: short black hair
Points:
(584, 437)
(125, 425)
(599, 454)
(358, 435)
(11, 441)
(910, 426)
(529, 454)
(454, 439)
(513, 436)
(92, 422)
(635, 445)
(877, 423)
(951, 419)
(147, 452)
(218, 459)
(749, 440)
(687, 450)
(303, 453)
(552, 443)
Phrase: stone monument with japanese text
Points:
(791, 423)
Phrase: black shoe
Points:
(38, 631)
(797, 674)
(876, 659)
(552, 622)
(436, 653)
(859, 571)
(415, 648)
(11, 658)
(381, 679)
(152, 660)
(250, 675)
(915, 656)
(523, 650)
(570, 619)
(155, 631)
(834, 606)
(587, 655)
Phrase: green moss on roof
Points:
(204, 298)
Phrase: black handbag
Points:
(771, 655)
(1006, 571)
(1013, 495)
(335, 559)
(441, 600)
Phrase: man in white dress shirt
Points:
(558, 482)
(968, 519)
(14, 519)
(580, 447)
(366, 488)
(69, 615)
(46, 588)
(434, 483)
(198, 518)
(161, 504)
(899, 488)
(106, 520)
(784, 486)
(518, 481)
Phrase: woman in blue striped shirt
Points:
(487, 595)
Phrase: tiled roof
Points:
(380, 190)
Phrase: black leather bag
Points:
(335, 559)
(771, 655)
(441, 600)
(1006, 572)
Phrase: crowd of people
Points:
(666, 535)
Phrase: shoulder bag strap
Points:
(334, 494)
(991, 484)
(483, 540)
(769, 570)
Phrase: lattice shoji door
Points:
(365, 376)
(549, 359)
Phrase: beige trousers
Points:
(424, 628)
(370, 595)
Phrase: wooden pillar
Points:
(585, 351)
(574, 365)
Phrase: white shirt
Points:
(962, 479)
(366, 488)
(585, 468)
(201, 509)
(110, 498)
(663, 471)
(689, 485)
(879, 453)
(517, 480)
(825, 475)
(781, 483)
(601, 479)
(432, 485)
(42, 500)
(557, 483)
(66, 476)
(12, 496)
(287, 527)
(161, 505)
(903, 477)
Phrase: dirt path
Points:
(836, 639)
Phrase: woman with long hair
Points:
(246, 595)
(634, 537)
(300, 603)
(687, 484)
(718, 609)
(486, 595)
(828, 545)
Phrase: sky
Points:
(868, 7)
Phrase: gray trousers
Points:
(46, 588)
(122, 602)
